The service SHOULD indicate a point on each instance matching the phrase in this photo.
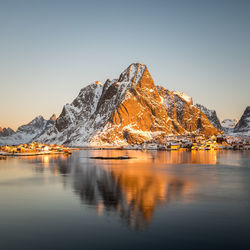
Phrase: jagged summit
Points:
(228, 125)
(243, 124)
(133, 73)
(27, 132)
(98, 83)
(211, 115)
(184, 96)
(53, 117)
(6, 131)
(127, 110)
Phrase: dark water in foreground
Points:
(157, 200)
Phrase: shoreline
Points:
(4, 154)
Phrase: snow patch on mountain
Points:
(243, 125)
(229, 123)
(6, 131)
(28, 132)
(184, 96)
(211, 115)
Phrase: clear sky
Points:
(49, 50)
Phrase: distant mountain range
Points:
(128, 110)
(229, 126)
(26, 133)
(6, 132)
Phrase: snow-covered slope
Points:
(228, 125)
(6, 131)
(28, 132)
(243, 125)
(183, 96)
(211, 115)
(127, 110)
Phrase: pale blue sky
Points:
(49, 50)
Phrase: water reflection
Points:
(173, 157)
(55, 163)
(133, 188)
(136, 187)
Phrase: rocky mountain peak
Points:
(28, 132)
(211, 115)
(37, 123)
(133, 73)
(6, 131)
(53, 117)
(184, 97)
(126, 110)
(244, 123)
(229, 123)
(38, 120)
(98, 83)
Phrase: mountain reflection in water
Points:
(132, 188)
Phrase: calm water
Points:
(156, 200)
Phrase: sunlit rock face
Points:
(184, 115)
(127, 110)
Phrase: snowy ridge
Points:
(186, 117)
(184, 96)
(6, 131)
(91, 110)
(132, 73)
(229, 123)
(28, 132)
(243, 125)
(211, 115)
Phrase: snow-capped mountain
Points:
(127, 110)
(211, 115)
(228, 125)
(6, 131)
(243, 125)
(28, 132)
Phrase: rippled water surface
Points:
(155, 200)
